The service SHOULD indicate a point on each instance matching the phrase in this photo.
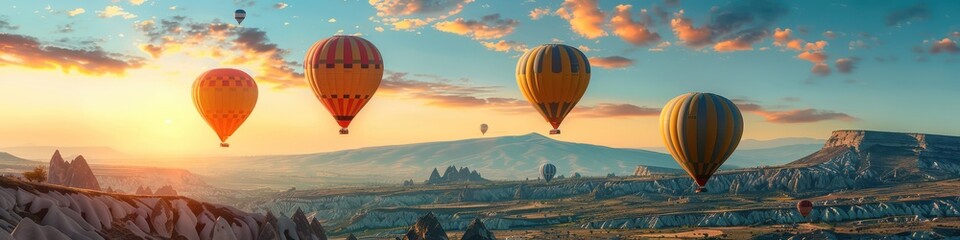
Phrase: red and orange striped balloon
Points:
(225, 97)
(344, 73)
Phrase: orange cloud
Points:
(505, 46)
(635, 33)
(232, 44)
(413, 14)
(489, 27)
(944, 46)
(611, 62)
(29, 52)
(690, 35)
(538, 13)
(807, 115)
(584, 16)
(814, 57)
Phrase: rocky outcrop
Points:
(165, 191)
(351, 237)
(426, 228)
(477, 231)
(144, 191)
(307, 229)
(452, 175)
(71, 174)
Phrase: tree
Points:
(39, 174)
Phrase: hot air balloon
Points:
(804, 207)
(239, 15)
(483, 128)
(701, 130)
(344, 73)
(553, 78)
(225, 97)
(547, 171)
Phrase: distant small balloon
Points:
(804, 207)
(484, 128)
(547, 171)
(240, 14)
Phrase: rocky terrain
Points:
(452, 175)
(72, 174)
(856, 176)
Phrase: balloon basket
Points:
(554, 131)
(344, 131)
(701, 190)
(224, 145)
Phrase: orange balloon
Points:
(225, 97)
(344, 73)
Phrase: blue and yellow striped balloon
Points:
(701, 130)
(553, 78)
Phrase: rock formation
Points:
(351, 237)
(71, 174)
(307, 229)
(641, 171)
(452, 175)
(144, 191)
(478, 231)
(166, 190)
(426, 228)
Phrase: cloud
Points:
(410, 15)
(944, 46)
(912, 13)
(489, 27)
(660, 46)
(829, 35)
(616, 110)
(820, 69)
(66, 28)
(611, 62)
(808, 115)
(29, 52)
(332, 20)
(243, 3)
(844, 65)
(733, 27)
(810, 51)
(458, 93)
(633, 32)
(231, 44)
(137, 2)
(538, 13)
(281, 5)
(378, 29)
(115, 11)
(76, 11)
(505, 46)
(687, 33)
(6, 25)
(584, 16)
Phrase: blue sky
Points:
(903, 53)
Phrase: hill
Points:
(498, 158)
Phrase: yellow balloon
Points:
(553, 78)
(701, 130)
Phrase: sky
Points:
(119, 73)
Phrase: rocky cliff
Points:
(72, 174)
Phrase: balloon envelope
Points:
(225, 97)
(484, 128)
(553, 78)
(804, 207)
(239, 15)
(701, 130)
(547, 171)
(344, 73)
